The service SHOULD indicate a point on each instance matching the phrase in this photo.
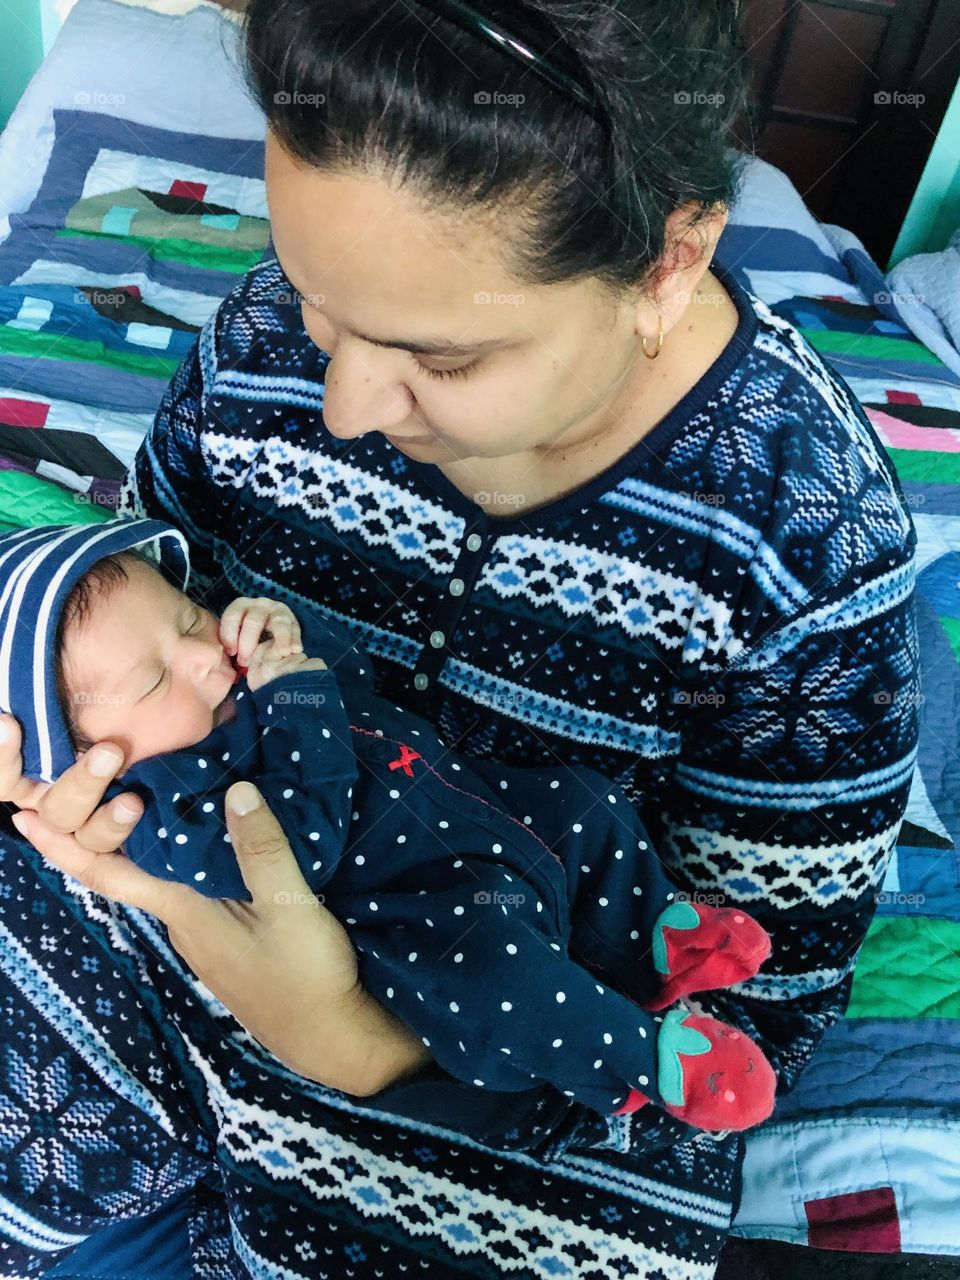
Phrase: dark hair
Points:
(99, 582)
(391, 89)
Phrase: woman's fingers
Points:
(70, 805)
(263, 852)
(14, 787)
(111, 874)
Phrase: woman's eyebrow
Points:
(423, 346)
(435, 348)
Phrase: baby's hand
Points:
(246, 620)
(266, 664)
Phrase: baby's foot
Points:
(701, 948)
(709, 1074)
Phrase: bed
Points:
(132, 200)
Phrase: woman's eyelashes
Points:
(463, 372)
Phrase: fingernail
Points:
(102, 762)
(20, 822)
(244, 798)
(121, 813)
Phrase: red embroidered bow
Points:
(407, 756)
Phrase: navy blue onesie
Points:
(506, 915)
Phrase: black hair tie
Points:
(521, 45)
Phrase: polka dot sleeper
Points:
(505, 914)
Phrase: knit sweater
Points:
(721, 622)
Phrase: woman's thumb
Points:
(264, 855)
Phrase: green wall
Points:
(21, 39)
(934, 212)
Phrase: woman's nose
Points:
(359, 396)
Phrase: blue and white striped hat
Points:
(39, 567)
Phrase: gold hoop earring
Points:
(659, 343)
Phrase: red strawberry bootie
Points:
(709, 1074)
(702, 948)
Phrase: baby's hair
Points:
(99, 582)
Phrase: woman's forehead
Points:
(347, 235)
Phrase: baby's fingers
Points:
(231, 620)
(285, 630)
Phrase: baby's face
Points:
(147, 669)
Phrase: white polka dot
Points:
(604, 902)
(600, 989)
(607, 1038)
(527, 821)
(612, 799)
(162, 832)
(374, 907)
(560, 997)
(539, 906)
(619, 854)
(412, 956)
(458, 911)
(425, 1041)
(394, 795)
(644, 1080)
(359, 859)
(176, 796)
(444, 825)
(637, 890)
(201, 875)
(505, 1051)
(506, 1006)
(314, 835)
(641, 844)
(201, 763)
(401, 839)
(455, 766)
(181, 839)
(208, 807)
(294, 755)
(498, 848)
(634, 935)
(458, 863)
(598, 1064)
(354, 816)
(503, 785)
(554, 785)
(317, 865)
(389, 993)
(288, 793)
(511, 949)
(642, 1032)
(479, 1083)
(557, 1044)
(454, 1006)
(325, 732)
(578, 826)
(458, 957)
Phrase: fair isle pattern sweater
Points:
(721, 622)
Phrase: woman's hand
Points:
(246, 619)
(282, 964)
(70, 805)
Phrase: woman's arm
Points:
(282, 964)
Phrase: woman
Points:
(586, 501)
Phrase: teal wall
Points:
(27, 30)
(934, 212)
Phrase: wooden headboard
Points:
(849, 97)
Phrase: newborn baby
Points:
(508, 915)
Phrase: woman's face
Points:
(432, 343)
